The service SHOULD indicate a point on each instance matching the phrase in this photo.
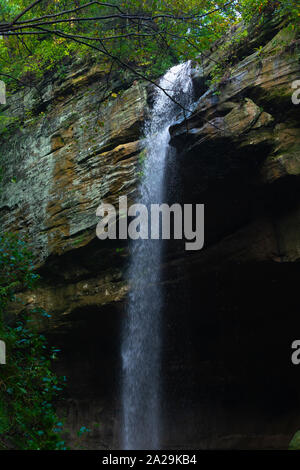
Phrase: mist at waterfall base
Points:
(141, 336)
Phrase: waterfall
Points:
(141, 336)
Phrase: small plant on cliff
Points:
(28, 387)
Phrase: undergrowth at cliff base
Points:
(29, 389)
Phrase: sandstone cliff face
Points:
(78, 148)
(231, 310)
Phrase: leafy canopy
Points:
(147, 35)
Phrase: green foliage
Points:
(263, 9)
(179, 30)
(256, 14)
(8, 124)
(28, 387)
(152, 45)
(83, 430)
(295, 442)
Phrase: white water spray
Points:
(141, 341)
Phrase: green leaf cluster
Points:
(151, 45)
(179, 30)
(29, 388)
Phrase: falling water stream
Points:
(141, 338)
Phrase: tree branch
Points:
(123, 16)
(73, 10)
(25, 11)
